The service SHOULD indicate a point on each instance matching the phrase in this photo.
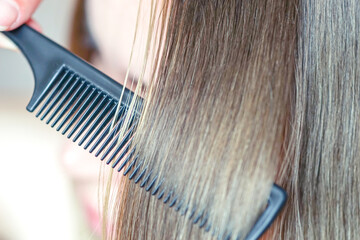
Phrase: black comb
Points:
(78, 100)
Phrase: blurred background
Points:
(37, 198)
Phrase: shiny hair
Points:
(244, 94)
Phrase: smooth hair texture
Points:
(245, 93)
(215, 118)
(322, 175)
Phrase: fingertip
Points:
(9, 14)
(14, 13)
(34, 24)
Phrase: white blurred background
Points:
(36, 197)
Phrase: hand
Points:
(14, 13)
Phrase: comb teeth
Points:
(67, 100)
(102, 117)
(146, 179)
(89, 105)
(55, 87)
(64, 88)
(91, 117)
(61, 104)
(67, 105)
(82, 103)
(73, 105)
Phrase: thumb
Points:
(14, 13)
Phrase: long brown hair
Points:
(245, 93)
(224, 77)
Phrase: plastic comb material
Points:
(80, 102)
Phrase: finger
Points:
(34, 24)
(8, 44)
(14, 13)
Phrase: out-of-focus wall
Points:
(36, 196)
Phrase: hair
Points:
(244, 94)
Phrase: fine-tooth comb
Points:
(80, 101)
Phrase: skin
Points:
(14, 13)
(17, 12)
